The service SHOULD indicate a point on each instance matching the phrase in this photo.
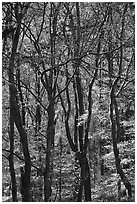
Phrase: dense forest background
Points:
(68, 96)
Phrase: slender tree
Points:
(19, 11)
(114, 109)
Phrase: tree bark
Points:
(23, 112)
(11, 160)
(50, 151)
(84, 179)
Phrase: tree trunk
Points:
(79, 199)
(85, 178)
(24, 142)
(23, 112)
(50, 149)
(11, 161)
(23, 135)
(25, 184)
(16, 113)
(87, 183)
(115, 148)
